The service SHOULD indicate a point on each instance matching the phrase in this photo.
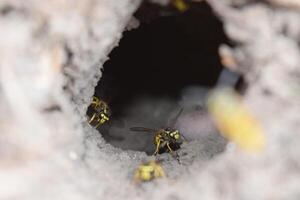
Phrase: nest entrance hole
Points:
(144, 80)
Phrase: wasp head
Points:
(103, 118)
(173, 133)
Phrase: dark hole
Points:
(157, 61)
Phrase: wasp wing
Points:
(142, 129)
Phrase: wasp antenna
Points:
(174, 120)
(179, 113)
(184, 138)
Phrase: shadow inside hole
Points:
(143, 79)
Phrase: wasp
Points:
(149, 171)
(165, 139)
(235, 121)
(99, 112)
(180, 5)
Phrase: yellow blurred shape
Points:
(234, 120)
(149, 171)
(180, 5)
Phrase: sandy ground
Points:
(48, 74)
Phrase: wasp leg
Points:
(95, 102)
(99, 123)
(168, 145)
(93, 117)
(177, 158)
(173, 153)
(159, 172)
(157, 148)
(95, 99)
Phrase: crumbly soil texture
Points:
(148, 60)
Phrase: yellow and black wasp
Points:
(149, 171)
(165, 139)
(98, 112)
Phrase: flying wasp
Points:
(149, 171)
(99, 112)
(165, 139)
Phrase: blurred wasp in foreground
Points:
(99, 112)
(235, 121)
(149, 171)
(165, 139)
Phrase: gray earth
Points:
(51, 53)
